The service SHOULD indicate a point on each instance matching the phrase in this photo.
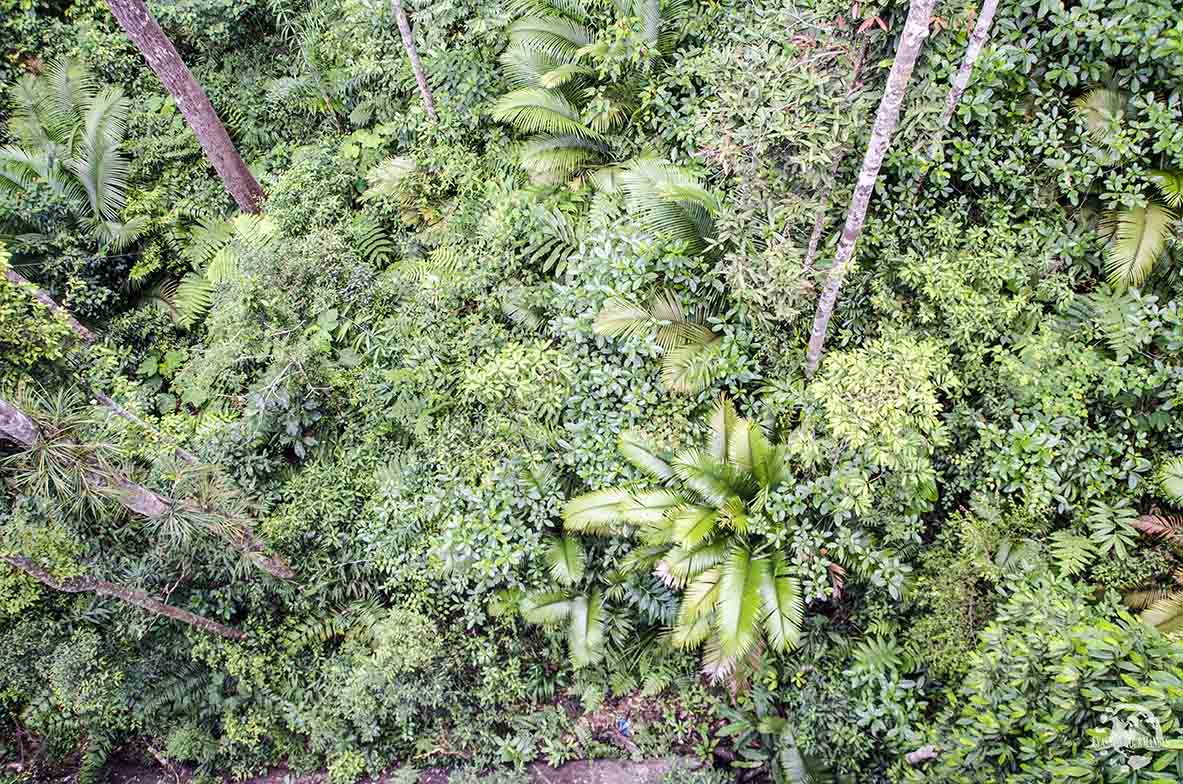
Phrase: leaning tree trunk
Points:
(87, 336)
(133, 16)
(404, 29)
(123, 593)
(977, 40)
(886, 118)
(19, 428)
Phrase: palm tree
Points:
(68, 137)
(404, 29)
(886, 118)
(560, 97)
(135, 19)
(739, 593)
(1162, 609)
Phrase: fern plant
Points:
(69, 136)
(739, 593)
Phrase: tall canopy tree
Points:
(135, 19)
(886, 119)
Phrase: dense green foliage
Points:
(518, 394)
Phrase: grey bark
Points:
(21, 429)
(135, 19)
(123, 593)
(886, 119)
(977, 40)
(404, 29)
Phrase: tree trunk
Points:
(123, 593)
(977, 40)
(21, 429)
(89, 337)
(823, 207)
(133, 16)
(404, 29)
(886, 118)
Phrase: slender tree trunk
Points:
(133, 16)
(977, 40)
(404, 29)
(123, 593)
(89, 337)
(823, 207)
(21, 429)
(886, 118)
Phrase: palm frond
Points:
(1099, 109)
(650, 508)
(781, 593)
(1170, 184)
(100, 166)
(558, 158)
(726, 426)
(556, 37)
(566, 559)
(663, 317)
(1169, 528)
(668, 201)
(586, 633)
(694, 524)
(1169, 478)
(1138, 237)
(546, 608)
(597, 512)
(576, 10)
(1166, 614)
(386, 177)
(681, 564)
(741, 577)
(643, 454)
(537, 110)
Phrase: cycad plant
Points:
(577, 71)
(68, 137)
(693, 523)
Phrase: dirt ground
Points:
(583, 772)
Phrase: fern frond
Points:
(192, 298)
(1073, 552)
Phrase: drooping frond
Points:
(1166, 614)
(525, 66)
(546, 608)
(741, 579)
(99, 165)
(643, 454)
(598, 512)
(715, 481)
(576, 10)
(681, 564)
(566, 559)
(537, 110)
(69, 90)
(663, 317)
(586, 633)
(555, 37)
(558, 158)
(780, 592)
(1170, 184)
(650, 508)
(694, 524)
(1138, 237)
(667, 200)
(700, 597)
